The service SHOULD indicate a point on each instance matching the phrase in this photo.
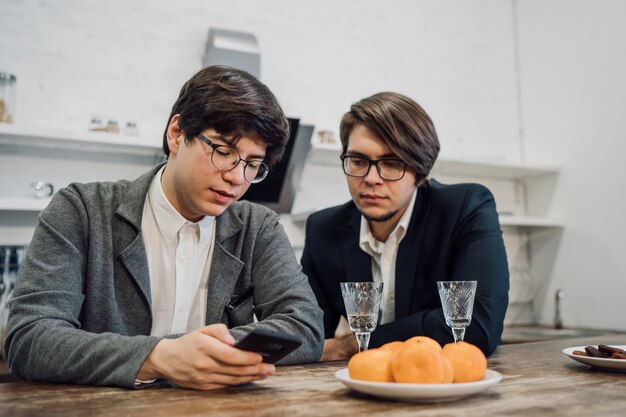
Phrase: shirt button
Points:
(181, 309)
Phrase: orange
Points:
(392, 346)
(419, 363)
(424, 339)
(371, 365)
(468, 361)
(449, 371)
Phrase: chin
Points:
(378, 215)
(210, 209)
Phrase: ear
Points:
(175, 135)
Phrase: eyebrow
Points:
(362, 155)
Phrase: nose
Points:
(235, 175)
(372, 176)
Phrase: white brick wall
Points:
(128, 59)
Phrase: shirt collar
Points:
(170, 221)
(369, 243)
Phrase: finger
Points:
(228, 355)
(229, 380)
(218, 381)
(220, 332)
(262, 369)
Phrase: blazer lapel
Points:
(357, 263)
(225, 267)
(135, 261)
(132, 251)
(408, 252)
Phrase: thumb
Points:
(220, 332)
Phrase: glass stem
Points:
(458, 333)
(363, 340)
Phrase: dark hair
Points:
(401, 123)
(234, 103)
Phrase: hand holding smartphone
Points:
(272, 345)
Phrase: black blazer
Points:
(454, 234)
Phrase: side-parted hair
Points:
(233, 103)
(401, 123)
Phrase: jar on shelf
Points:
(131, 128)
(7, 97)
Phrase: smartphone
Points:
(270, 344)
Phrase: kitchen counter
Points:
(538, 380)
(536, 333)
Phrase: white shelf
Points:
(32, 204)
(23, 204)
(325, 154)
(86, 141)
(539, 222)
(329, 155)
(16, 236)
(491, 170)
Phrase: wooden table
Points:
(538, 381)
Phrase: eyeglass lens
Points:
(389, 169)
(226, 158)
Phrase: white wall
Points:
(572, 66)
(127, 60)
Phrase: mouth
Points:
(371, 198)
(223, 195)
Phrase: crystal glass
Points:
(362, 301)
(457, 300)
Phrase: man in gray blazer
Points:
(127, 283)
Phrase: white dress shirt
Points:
(179, 261)
(384, 255)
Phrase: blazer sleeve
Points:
(476, 253)
(331, 315)
(45, 341)
(283, 298)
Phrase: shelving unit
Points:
(329, 155)
(325, 154)
(86, 141)
(23, 204)
(491, 170)
(538, 222)
(61, 156)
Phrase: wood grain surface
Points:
(538, 381)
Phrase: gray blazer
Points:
(81, 306)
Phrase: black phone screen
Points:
(272, 345)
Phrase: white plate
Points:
(419, 392)
(606, 364)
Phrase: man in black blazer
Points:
(404, 230)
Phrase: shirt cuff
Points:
(139, 382)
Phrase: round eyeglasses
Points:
(226, 158)
(390, 169)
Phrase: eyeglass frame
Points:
(246, 162)
(371, 162)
